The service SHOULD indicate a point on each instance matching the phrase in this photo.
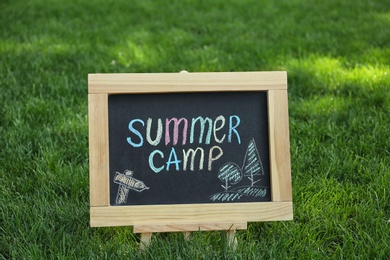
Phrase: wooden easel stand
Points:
(147, 231)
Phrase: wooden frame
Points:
(189, 217)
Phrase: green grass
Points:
(336, 53)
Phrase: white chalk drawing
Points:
(127, 182)
(252, 163)
(231, 174)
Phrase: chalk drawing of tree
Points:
(230, 173)
(252, 163)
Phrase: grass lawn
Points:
(336, 53)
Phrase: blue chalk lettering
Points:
(151, 164)
(175, 161)
(233, 128)
(136, 132)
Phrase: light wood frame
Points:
(189, 217)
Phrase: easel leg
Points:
(145, 240)
(231, 238)
(187, 235)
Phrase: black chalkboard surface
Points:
(185, 148)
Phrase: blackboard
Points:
(227, 132)
(141, 176)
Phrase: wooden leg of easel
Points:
(145, 240)
(187, 235)
(231, 238)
